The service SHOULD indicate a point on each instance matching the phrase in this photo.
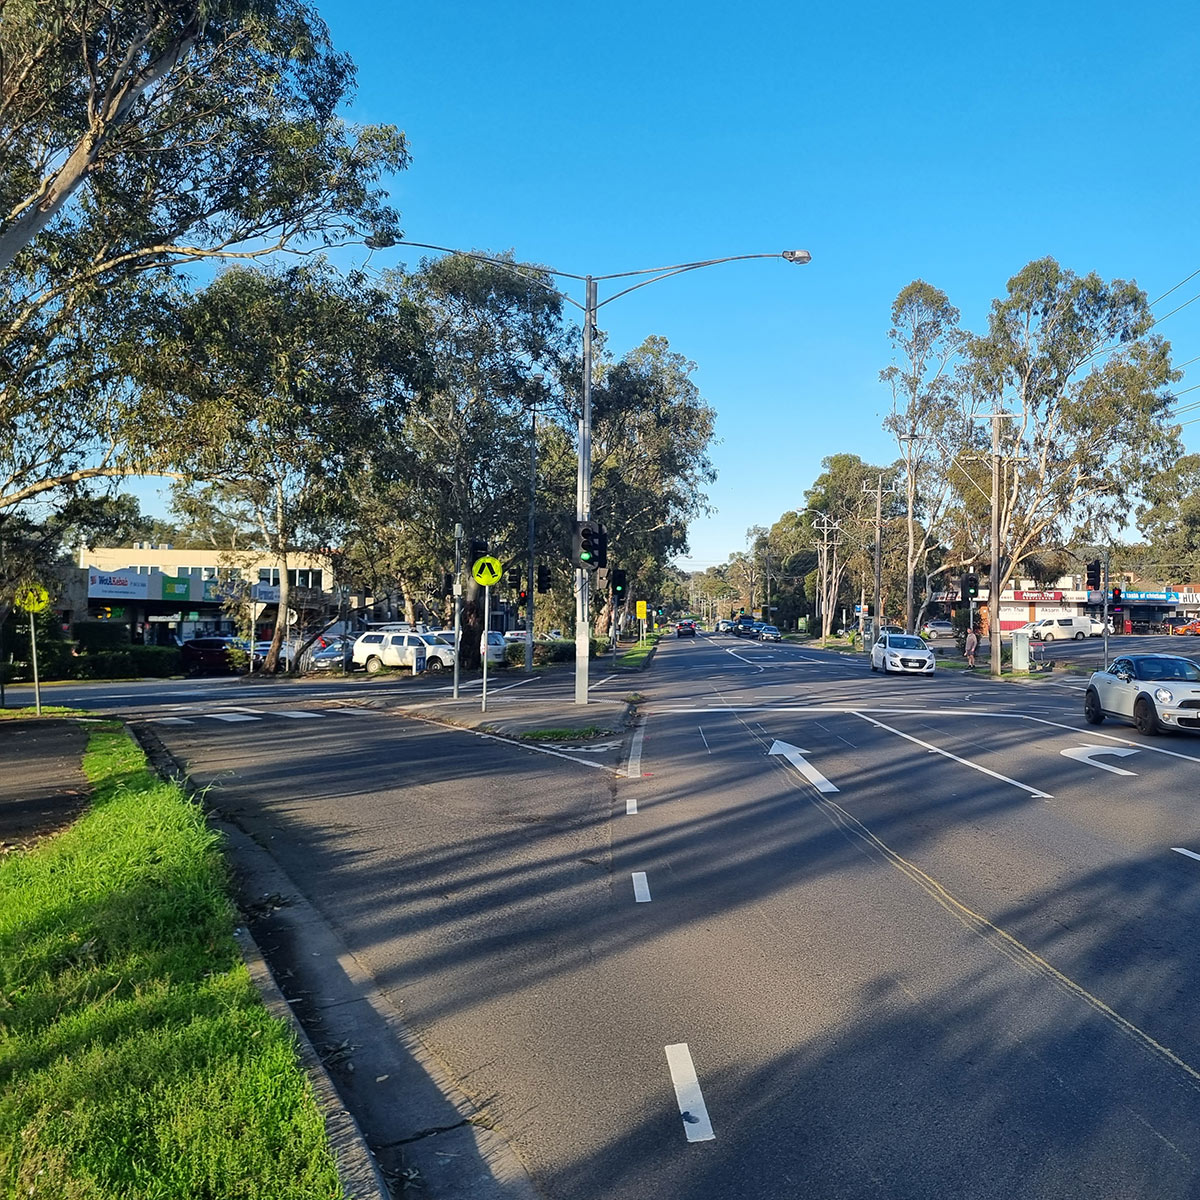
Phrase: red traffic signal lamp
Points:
(1116, 595)
(522, 598)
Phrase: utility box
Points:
(1020, 649)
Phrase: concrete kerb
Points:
(427, 1131)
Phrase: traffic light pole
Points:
(583, 499)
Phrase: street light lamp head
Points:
(797, 256)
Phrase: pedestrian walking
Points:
(970, 648)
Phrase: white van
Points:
(1050, 629)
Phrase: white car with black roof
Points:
(1154, 691)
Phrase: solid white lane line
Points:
(1181, 850)
(1037, 793)
(509, 687)
(704, 739)
(641, 889)
(633, 768)
(630, 807)
(688, 1096)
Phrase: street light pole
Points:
(590, 307)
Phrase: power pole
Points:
(879, 490)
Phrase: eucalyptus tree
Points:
(651, 429)
(1169, 519)
(137, 137)
(495, 345)
(931, 422)
(1084, 384)
(279, 385)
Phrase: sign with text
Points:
(118, 585)
(1037, 596)
(641, 610)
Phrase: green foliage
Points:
(135, 1047)
(139, 138)
(94, 636)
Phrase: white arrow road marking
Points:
(795, 756)
(1088, 754)
(690, 1099)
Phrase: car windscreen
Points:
(1181, 669)
(905, 643)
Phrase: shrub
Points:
(94, 636)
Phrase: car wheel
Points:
(374, 665)
(1093, 714)
(873, 666)
(1145, 719)
(1047, 636)
(434, 664)
(1079, 636)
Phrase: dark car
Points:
(747, 628)
(213, 656)
(685, 629)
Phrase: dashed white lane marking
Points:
(633, 768)
(688, 1096)
(230, 717)
(171, 721)
(641, 889)
(1189, 853)
(704, 739)
(630, 807)
(296, 714)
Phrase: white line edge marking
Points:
(492, 737)
(631, 807)
(704, 739)
(1037, 793)
(1189, 853)
(641, 889)
(688, 1096)
(633, 768)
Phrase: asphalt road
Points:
(810, 931)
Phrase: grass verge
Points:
(135, 1056)
(563, 735)
(639, 654)
(31, 713)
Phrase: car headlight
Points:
(1164, 695)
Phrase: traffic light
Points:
(522, 598)
(479, 548)
(1116, 595)
(658, 611)
(601, 546)
(514, 577)
(1093, 575)
(969, 588)
(870, 610)
(585, 545)
(543, 578)
(619, 583)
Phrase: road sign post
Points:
(33, 599)
(486, 571)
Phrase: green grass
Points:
(136, 1059)
(563, 735)
(637, 655)
(31, 713)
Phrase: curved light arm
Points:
(796, 256)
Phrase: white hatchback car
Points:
(903, 653)
(1154, 691)
(377, 649)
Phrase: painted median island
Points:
(136, 1058)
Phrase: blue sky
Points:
(950, 142)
